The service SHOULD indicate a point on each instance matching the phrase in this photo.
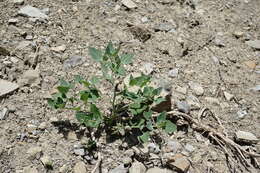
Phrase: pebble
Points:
(196, 88)
(147, 68)
(127, 161)
(183, 106)
(129, 4)
(189, 148)
(144, 19)
(30, 11)
(242, 136)
(164, 27)
(43, 126)
(241, 114)
(7, 87)
(172, 147)
(30, 170)
(79, 152)
(61, 48)
(137, 167)
(173, 73)
(73, 61)
(158, 170)
(80, 167)
(4, 113)
(212, 100)
(182, 90)
(179, 163)
(47, 162)
(12, 21)
(30, 77)
(193, 102)
(72, 136)
(34, 151)
(254, 44)
(119, 169)
(238, 34)
(18, 2)
(64, 169)
(256, 88)
(250, 64)
(228, 96)
(219, 42)
(153, 148)
(129, 153)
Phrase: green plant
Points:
(129, 110)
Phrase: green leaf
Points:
(84, 95)
(126, 58)
(148, 115)
(63, 89)
(170, 127)
(95, 54)
(94, 80)
(159, 100)
(161, 117)
(94, 94)
(110, 49)
(145, 137)
(157, 91)
(148, 91)
(149, 125)
(78, 78)
(135, 105)
(140, 80)
(121, 71)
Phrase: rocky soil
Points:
(206, 52)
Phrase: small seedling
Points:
(129, 110)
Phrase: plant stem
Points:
(114, 101)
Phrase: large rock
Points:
(179, 163)
(129, 4)
(30, 11)
(30, 77)
(7, 87)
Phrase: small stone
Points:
(129, 4)
(247, 137)
(153, 148)
(64, 169)
(29, 37)
(30, 11)
(158, 170)
(147, 68)
(196, 88)
(173, 73)
(127, 161)
(4, 113)
(119, 169)
(72, 136)
(34, 151)
(193, 102)
(54, 119)
(47, 162)
(179, 163)
(256, 88)
(182, 90)
(164, 27)
(18, 2)
(4, 51)
(189, 148)
(172, 147)
(137, 167)
(238, 34)
(79, 152)
(250, 64)
(7, 87)
(254, 44)
(144, 19)
(30, 170)
(12, 21)
(14, 59)
(212, 100)
(43, 126)
(61, 48)
(73, 61)
(80, 167)
(183, 106)
(241, 114)
(130, 153)
(228, 96)
(30, 77)
(219, 42)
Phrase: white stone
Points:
(30, 11)
(129, 4)
(246, 137)
(80, 167)
(7, 87)
(254, 44)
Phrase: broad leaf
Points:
(140, 80)
(148, 115)
(95, 54)
(126, 58)
(159, 100)
(161, 117)
(170, 127)
(145, 137)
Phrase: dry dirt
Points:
(205, 41)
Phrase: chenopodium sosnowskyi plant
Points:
(129, 110)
